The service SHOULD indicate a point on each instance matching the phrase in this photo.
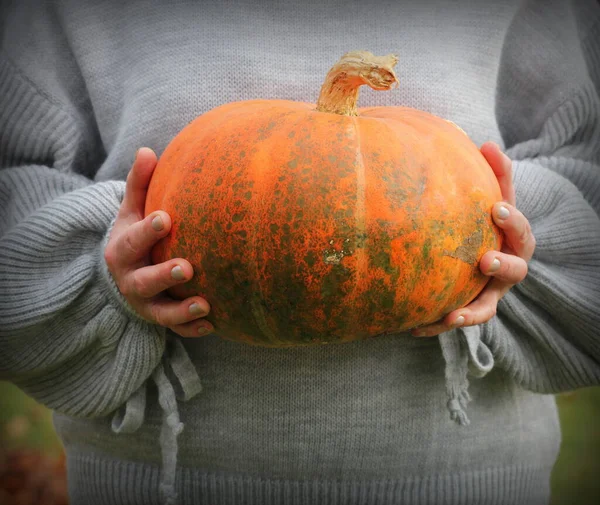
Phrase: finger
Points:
(199, 328)
(516, 228)
(137, 239)
(138, 180)
(502, 167)
(172, 313)
(480, 310)
(430, 330)
(507, 268)
(149, 281)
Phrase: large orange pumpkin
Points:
(314, 224)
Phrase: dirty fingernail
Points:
(494, 266)
(203, 330)
(460, 320)
(177, 273)
(157, 223)
(503, 212)
(196, 310)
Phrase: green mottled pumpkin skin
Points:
(307, 227)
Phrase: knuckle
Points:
(532, 240)
(143, 286)
(523, 229)
(159, 316)
(126, 290)
(523, 236)
(129, 245)
(136, 285)
(525, 271)
(515, 270)
(490, 314)
(128, 287)
(110, 256)
(508, 269)
(486, 314)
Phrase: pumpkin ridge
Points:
(267, 150)
(360, 214)
(256, 212)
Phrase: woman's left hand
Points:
(506, 267)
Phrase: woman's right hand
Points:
(127, 255)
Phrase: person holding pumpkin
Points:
(87, 329)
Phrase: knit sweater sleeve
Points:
(67, 337)
(546, 333)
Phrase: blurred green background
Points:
(575, 480)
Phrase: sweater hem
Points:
(102, 480)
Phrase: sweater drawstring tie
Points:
(465, 354)
(176, 379)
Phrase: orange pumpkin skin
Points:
(307, 227)
(310, 225)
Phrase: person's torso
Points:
(154, 67)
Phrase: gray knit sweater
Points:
(84, 84)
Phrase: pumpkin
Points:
(318, 224)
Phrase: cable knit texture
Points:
(149, 418)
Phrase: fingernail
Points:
(196, 310)
(460, 320)
(494, 266)
(203, 330)
(503, 212)
(157, 223)
(136, 154)
(177, 273)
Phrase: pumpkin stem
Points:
(339, 93)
